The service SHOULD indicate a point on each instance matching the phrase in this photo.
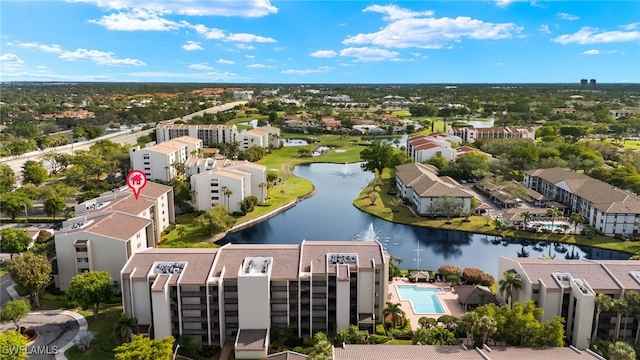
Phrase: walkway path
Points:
(226, 350)
(57, 330)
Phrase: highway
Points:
(120, 137)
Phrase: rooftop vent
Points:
(80, 225)
(335, 259)
(174, 268)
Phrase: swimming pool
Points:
(423, 300)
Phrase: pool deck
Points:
(448, 299)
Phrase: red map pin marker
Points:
(136, 180)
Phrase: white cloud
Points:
(98, 57)
(346, 64)
(343, 24)
(591, 52)
(242, 8)
(245, 46)
(245, 38)
(261, 66)
(393, 12)
(201, 66)
(367, 54)
(11, 58)
(588, 35)
(250, 56)
(324, 53)
(420, 30)
(631, 26)
(138, 19)
(212, 75)
(53, 48)
(208, 33)
(228, 62)
(566, 16)
(192, 45)
(322, 69)
(504, 3)
(544, 29)
(10, 63)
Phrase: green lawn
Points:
(398, 342)
(477, 224)
(103, 329)
(194, 234)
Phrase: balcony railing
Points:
(194, 306)
(198, 319)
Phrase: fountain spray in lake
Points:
(371, 234)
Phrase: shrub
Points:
(275, 333)
(208, 351)
(308, 342)
(380, 330)
(44, 236)
(378, 339)
(293, 342)
(454, 279)
(477, 276)
(191, 346)
(299, 349)
(449, 269)
(83, 342)
(168, 229)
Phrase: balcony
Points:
(278, 313)
(197, 319)
(195, 331)
(192, 294)
(194, 306)
(278, 288)
(278, 301)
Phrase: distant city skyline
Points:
(262, 41)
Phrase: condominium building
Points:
(109, 229)
(471, 133)
(209, 134)
(421, 185)
(423, 147)
(610, 210)
(240, 291)
(266, 136)
(225, 182)
(568, 288)
(157, 161)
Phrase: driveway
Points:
(5, 281)
(56, 330)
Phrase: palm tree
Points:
(576, 219)
(603, 303)
(554, 213)
(396, 313)
(207, 222)
(263, 186)
(124, 328)
(469, 323)
(527, 216)
(620, 307)
(621, 351)
(633, 301)
(487, 326)
(226, 192)
(564, 228)
(181, 231)
(507, 285)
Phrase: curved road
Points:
(120, 137)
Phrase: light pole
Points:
(175, 353)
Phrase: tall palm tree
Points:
(181, 231)
(469, 323)
(576, 219)
(263, 186)
(633, 301)
(124, 328)
(396, 313)
(508, 284)
(620, 307)
(554, 213)
(603, 303)
(527, 216)
(226, 192)
(487, 326)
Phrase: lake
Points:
(330, 215)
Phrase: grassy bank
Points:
(477, 224)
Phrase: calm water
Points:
(330, 215)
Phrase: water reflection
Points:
(330, 215)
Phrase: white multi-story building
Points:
(610, 210)
(209, 134)
(242, 95)
(211, 178)
(471, 134)
(421, 185)
(157, 161)
(265, 137)
(109, 229)
(239, 292)
(568, 288)
(422, 147)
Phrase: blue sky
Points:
(297, 41)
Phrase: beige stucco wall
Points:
(254, 301)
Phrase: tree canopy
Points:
(17, 344)
(31, 272)
(14, 311)
(143, 348)
(14, 241)
(91, 288)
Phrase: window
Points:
(377, 271)
(139, 245)
(83, 260)
(138, 235)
